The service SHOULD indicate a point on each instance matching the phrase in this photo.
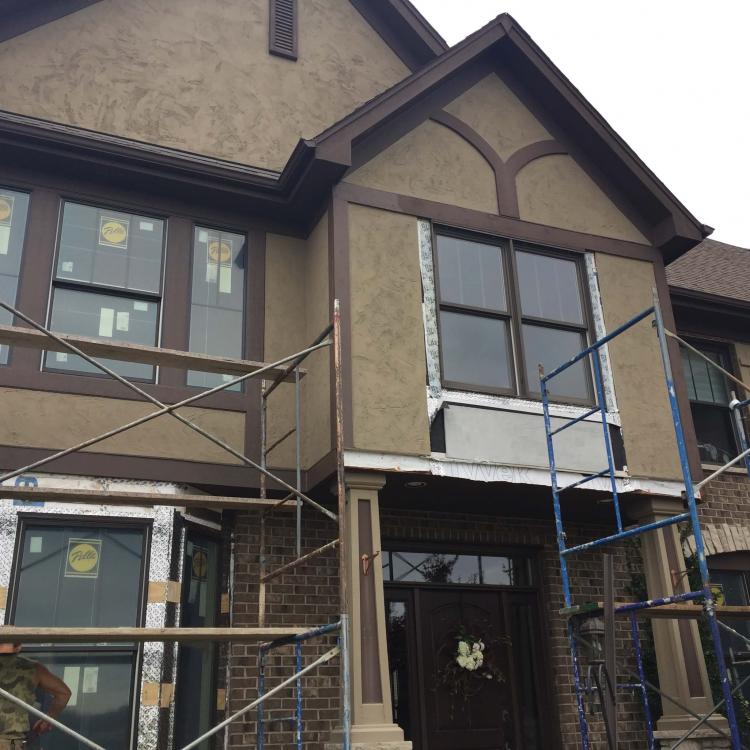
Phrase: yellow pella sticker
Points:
(220, 251)
(6, 209)
(83, 558)
(113, 232)
(200, 563)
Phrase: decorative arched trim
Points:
(505, 171)
(480, 144)
(527, 154)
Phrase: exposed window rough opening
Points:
(282, 37)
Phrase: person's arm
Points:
(60, 692)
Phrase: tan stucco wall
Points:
(37, 419)
(434, 163)
(626, 289)
(285, 332)
(498, 115)
(554, 190)
(197, 75)
(390, 411)
(297, 310)
(316, 387)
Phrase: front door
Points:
(445, 695)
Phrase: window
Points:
(85, 576)
(730, 578)
(438, 567)
(14, 208)
(107, 283)
(709, 402)
(217, 299)
(506, 307)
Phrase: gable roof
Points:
(398, 22)
(713, 268)
(317, 164)
(503, 42)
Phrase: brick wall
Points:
(309, 598)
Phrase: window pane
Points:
(218, 295)
(102, 316)
(110, 248)
(506, 571)
(552, 347)
(705, 383)
(713, 428)
(14, 208)
(475, 350)
(471, 273)
(549, 287)
(63, 569)
(434, 567)
(100, 706)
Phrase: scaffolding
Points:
(604, 684)
(287, 369)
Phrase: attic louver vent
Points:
(283, 29)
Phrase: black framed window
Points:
(461, 569)
(107, 283)
(14, 208)
(505, 308)
(708, 391)
(217, 309)
(78, 574)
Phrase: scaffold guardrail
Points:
(704, 595)
(284, 370)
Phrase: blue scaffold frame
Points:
(704, 595)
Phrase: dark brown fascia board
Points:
(404, 29)
(676, 230)
(687, 297)
(338, 139)
(680, 230)
(20, 16)
(293, 195)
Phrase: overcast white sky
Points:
(671, 76)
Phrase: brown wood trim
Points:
(525, 155)
(505, 226)
(104, 386)
(118, 466)
(255, 326)
(175, 302)
(678, 375)
(340, 287)
(503, 186)
(320, 471)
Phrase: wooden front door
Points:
(462, 710)
(510, 713)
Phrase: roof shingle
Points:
(713, 267)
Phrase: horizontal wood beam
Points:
(12, 634)
(148, 499)
(663, 612)
(147, 355)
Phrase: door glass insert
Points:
(85, 576)
(397, 629)
(196, 666)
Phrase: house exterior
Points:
(709, 291)
(210, 177)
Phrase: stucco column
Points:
(372, 714)
(679, 656)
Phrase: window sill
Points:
(711, 468)
(528, 406)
